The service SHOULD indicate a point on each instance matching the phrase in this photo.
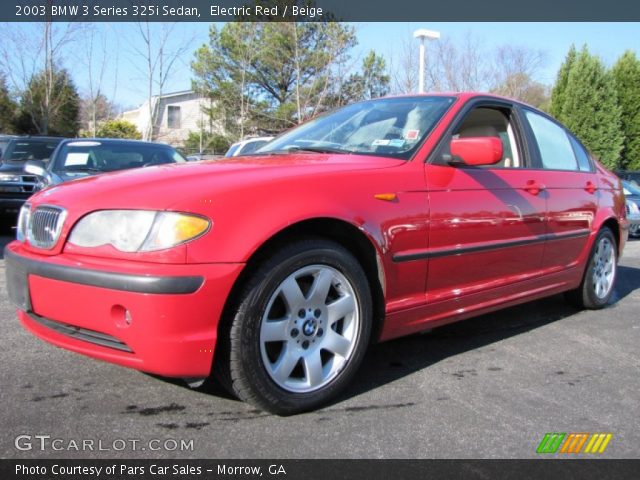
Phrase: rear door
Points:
(570, 187)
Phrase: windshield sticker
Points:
(76, 159)
(380, 141)
(397, 142)
(412, 134)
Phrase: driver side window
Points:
(493, 122)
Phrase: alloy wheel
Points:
(309, 329)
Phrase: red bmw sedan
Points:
(273, 272)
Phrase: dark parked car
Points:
(15, 184)
(4, 141)
(629, 176)
(632, 197)
(81, 158)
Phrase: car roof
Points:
(117, 141)
(464, 96)
(37, 138)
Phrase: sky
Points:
(123, 79)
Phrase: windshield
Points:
(232, 150)
(630, 189)
(390, 127)
(96, 156)
(252, 146)
(22, 150)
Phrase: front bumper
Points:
(634, 219)
(157, 318)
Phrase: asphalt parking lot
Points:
(489, 387)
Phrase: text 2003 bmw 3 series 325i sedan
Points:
(273, 272)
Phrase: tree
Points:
(32, 58)
(589, 107)
(118, 128)
(558, 93)
(522, 87)
(96, 57)
(513, 71)
(371, 82)
(404, 67)
(222, 73)
(276, 74)
(7, 108)
(51, 106)
(93, 111)
(157, 49)
(212, 143)
(626, 76)
(466, 65)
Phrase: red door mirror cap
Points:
(476, 151)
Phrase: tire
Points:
(599, 278)
(300, 329)
(634, 230)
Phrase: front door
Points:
(488, 224)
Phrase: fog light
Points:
(121, 316)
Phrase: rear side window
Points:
(556, 152)
(584, 164)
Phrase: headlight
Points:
(23, 222)
(7, 177)
(137, 230)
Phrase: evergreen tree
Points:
(372, 82)
(7, 108)
(626, 75)
(588, 106)
(267, 76)
(560, 87)
(50, 105)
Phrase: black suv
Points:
(15, 184)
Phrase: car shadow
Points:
(390, 361)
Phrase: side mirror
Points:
(476, 151)
(36, 167)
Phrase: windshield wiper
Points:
(81, 168)
(317, 149)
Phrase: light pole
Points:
(422, 34)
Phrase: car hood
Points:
(16, 167)
(163, 186)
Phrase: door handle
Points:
(591, 187)
(534, 188)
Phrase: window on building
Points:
(173, 116)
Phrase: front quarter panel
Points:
(245, 218)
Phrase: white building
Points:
(176, 114)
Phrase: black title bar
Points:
(584, 469)
(318, 10)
